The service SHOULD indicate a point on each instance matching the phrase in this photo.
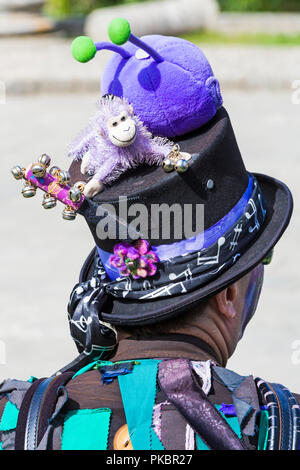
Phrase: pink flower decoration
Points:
(136, 260)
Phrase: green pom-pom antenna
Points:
(83, 49)
(119, 31)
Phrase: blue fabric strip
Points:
(229, 410)
(200, 241)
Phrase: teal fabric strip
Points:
(1, 446)
(86, 429)
(233, 423)
(200, 444)
(9, 417)
(138, 390)
(263, 430)
(32, 379)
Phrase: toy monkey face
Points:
(122, 129)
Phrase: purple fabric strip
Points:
(229, 410)
(200, 241)
(181, 389)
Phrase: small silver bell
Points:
(69, 213)
(54, 170)
(181, 165)
(63, 177)
(17, 172)
(79, 185)
(48, 201)
(28, 190)
(39, 170)
(45, 160)
(168, 165)
(75, 194)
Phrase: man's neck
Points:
(171, 345)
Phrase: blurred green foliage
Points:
(259, 5)
(65, 8)
(259, 39)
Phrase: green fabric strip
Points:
(233, 423)
(9, 417)
(86, 429)
(263, 430)
(138, 390)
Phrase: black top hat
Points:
(244, 216)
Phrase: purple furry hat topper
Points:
(114, 141)
(168, 80)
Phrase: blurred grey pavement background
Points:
(45, 65)
(41, 254)
(49, 98)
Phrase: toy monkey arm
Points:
(94, 186)
(163, 149)
(81, 144)
(85, 163)
(161, 146)
(108, 167)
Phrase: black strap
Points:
(36, 410)
(268, 398)
(31, 431)
(289, 418)
(284, 416)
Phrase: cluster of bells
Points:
(39, 170)
(175, 162)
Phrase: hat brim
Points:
(279, 204)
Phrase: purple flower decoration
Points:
(135, 260)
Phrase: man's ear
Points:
(226, 301)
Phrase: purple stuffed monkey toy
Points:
(114, 141)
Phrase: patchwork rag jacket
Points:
(153, 395)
